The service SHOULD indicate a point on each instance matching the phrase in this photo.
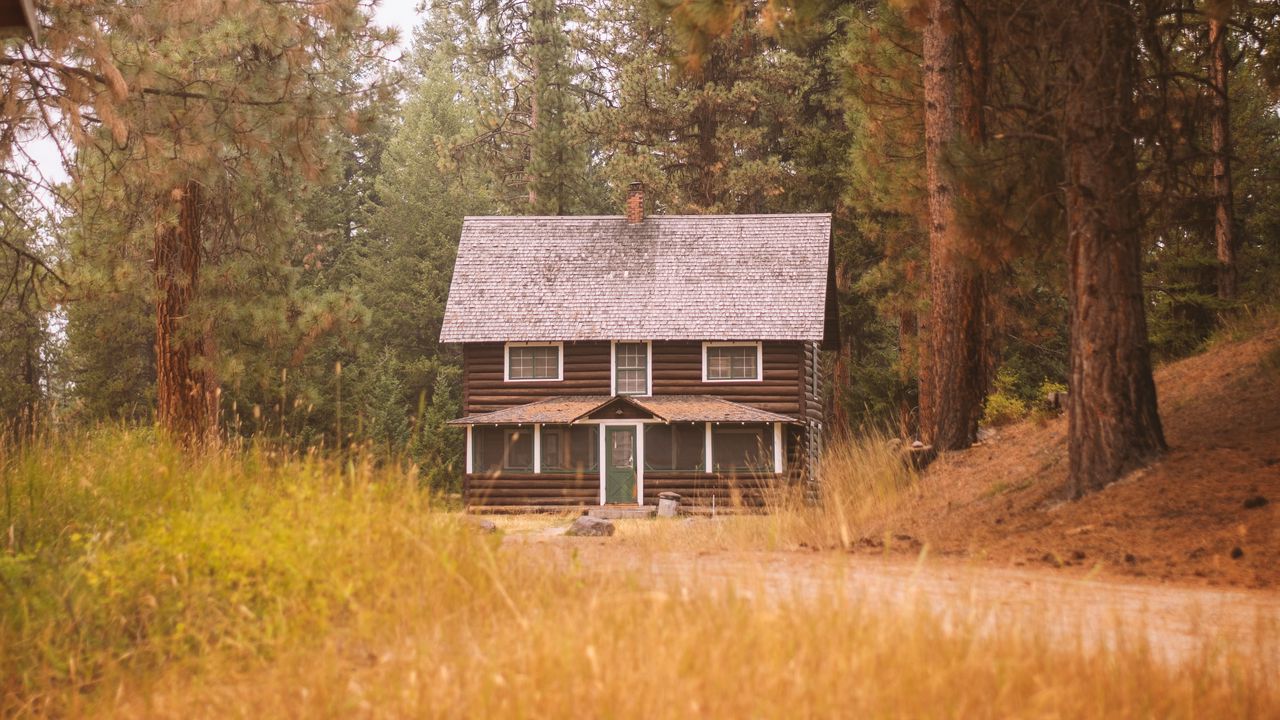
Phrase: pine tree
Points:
(27, 280)
(196, 106)
(952, 383)
(712, 134)
(557, 164)
(1224, 202)
(1113, 424)
(515, 68)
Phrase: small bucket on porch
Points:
(668, 504)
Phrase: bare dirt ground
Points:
(1208, 512)
(1176, 622)
(1135, 562)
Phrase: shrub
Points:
(1003, 405)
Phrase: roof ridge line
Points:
(725, 216)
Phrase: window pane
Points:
(518, 449)
(631, 361)
(691, 442)
(623, 451)
(551, 441)
(569, 449)
(674, 447)
(584, 447)
(632, 382)
(657, 447)
(486, 449)
(742, 448)
(537, 362)
(736, 362)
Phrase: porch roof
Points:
(564, 410)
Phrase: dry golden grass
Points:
(552, 641)
(259, 586)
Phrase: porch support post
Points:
(601, 462)
(537, 448)
(777, 448)
(469, 444)
(707, 466)
(640, 464)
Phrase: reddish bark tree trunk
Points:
(186, 386)
(951, 389)
(1114, 426)
(908, 423)
(1220, 125)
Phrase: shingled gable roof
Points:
(669, 277)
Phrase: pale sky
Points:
(402, 14)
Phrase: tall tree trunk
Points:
(1114, 426)
(1220, 123)
(908, 424)
(25, 427)
(534, 111)
(951, 373)
(186, 386)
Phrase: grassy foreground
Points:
(138, 581)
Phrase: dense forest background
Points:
(323, 188)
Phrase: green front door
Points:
(620, 464)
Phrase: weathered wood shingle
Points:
(667, 408)
(673, 277)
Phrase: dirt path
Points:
(1175, 621)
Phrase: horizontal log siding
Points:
(528, 489)
(725, 490)
(586, 372)
(510, 488)
(677, 370)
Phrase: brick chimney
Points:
(635, 203)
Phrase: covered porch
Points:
(595, 450)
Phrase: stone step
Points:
(621, 512)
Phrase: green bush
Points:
(1003, 405)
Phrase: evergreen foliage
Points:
(334, 207)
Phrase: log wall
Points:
(586, 372)
(792, 385)
(677, 370)
(512, 488)
(698, 489)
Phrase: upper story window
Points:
(631, 368)
(731, 361)
(534, 361)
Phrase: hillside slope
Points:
(1198, 514)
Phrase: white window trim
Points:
(759, 346)
(506, 361)
(648, 367)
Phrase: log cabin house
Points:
(608, 359)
